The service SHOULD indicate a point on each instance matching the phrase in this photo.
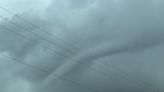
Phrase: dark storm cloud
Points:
(102, 28)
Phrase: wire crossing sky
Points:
(127, 75)
(99, 44)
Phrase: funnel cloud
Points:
(69, 45)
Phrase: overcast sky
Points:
(81, 45)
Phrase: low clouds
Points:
(102, 28)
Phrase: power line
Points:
(58, 53)
(32, 32)
(47, 72)
(2, 26)
(55, 52)
(34, 41)
(36, 26)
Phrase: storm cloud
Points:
(91, 35)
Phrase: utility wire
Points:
(129, 78)
(64, 55)
(2, 26)
(41, 30)
(37, 35)
(35, 67)
(67, 43)
(47, 72)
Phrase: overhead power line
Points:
(67, 43)
(47, 72)
(37, 68)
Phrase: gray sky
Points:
(109, 46)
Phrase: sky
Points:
(81, 45)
